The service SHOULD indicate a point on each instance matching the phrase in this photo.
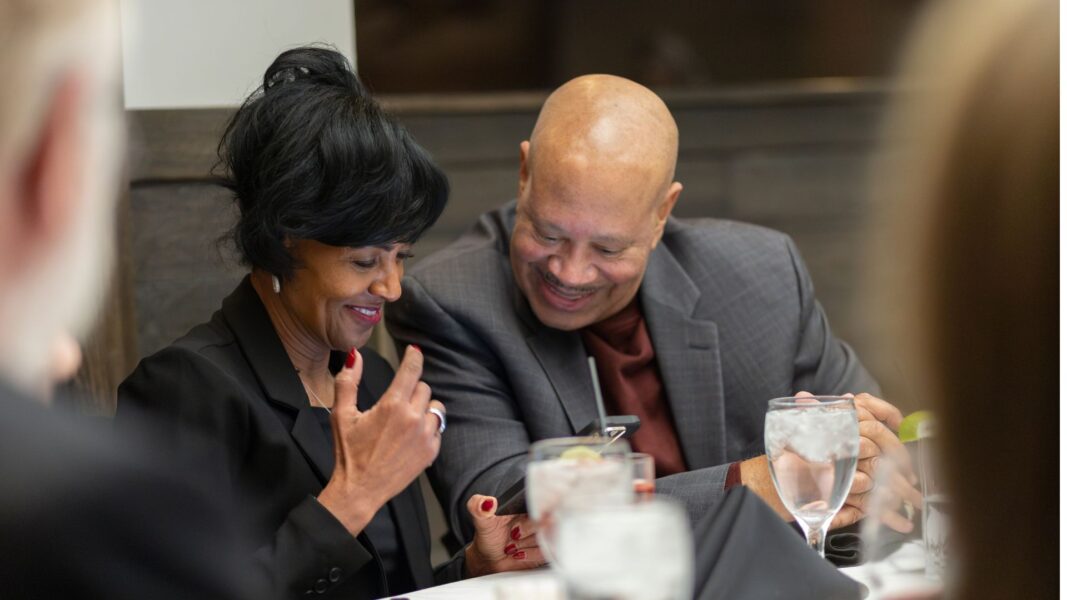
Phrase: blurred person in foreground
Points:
(321, 443)
(974, 192)
(694, 324)
(82, 514)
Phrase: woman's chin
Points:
(355, 341)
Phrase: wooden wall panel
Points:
(705, 190)
(784, 186)
(180, 272)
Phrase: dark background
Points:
(419, 46)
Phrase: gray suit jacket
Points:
(732, 316)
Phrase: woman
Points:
(976, 198)
(320, 444)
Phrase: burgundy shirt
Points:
(631, 384)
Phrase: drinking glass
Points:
(644, 470)
(639, 551)
(561, 470)
(812, 446)
(935, 503)
(894, 562)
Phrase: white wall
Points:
(202, 53)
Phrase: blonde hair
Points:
(39, 39)
(971, 188)
(46, 44)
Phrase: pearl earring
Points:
(276, 284)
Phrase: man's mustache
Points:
(556, 283)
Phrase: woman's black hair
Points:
(310, 155)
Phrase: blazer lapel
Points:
(563, 358)
(309, 436)
(263, 349)
(687, 353)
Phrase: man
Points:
(81, 514)
(694, 325)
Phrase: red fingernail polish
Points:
(519, 555)
(510, 549)
(487, 506)
(515, 533)
(416, 347)
(351, 360)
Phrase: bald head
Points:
(595, 191)
(608, 123)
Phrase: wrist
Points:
(756, 475)
(474, 564)
(354, 514)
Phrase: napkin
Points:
(745, 551)
(844, 548)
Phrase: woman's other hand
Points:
(379, 452)
(504, 543)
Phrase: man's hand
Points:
(879, 421)
(879, 447)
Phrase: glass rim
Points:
(605, 443)
(825, 400)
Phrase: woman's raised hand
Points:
(504, 543)
(379, 452)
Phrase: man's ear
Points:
(49, 179)
(665, 207)
(524, 166)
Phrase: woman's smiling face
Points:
(336, 293)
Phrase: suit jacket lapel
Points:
(563, 358)
(309, 436)
(266, 356)
(687, 353)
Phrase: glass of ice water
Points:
(588, 470)
(640, 551)
(812, 445)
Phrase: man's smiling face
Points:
(581, 240)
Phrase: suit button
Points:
(321, 586)
(335, 574)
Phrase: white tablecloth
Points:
(903, 571)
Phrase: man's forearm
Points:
(698, 490)
(701, 489)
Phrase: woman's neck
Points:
(310, 357)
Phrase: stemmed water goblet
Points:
(812, 447)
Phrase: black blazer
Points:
(230, 381)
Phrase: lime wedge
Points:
(581, 453)
(909, 427)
